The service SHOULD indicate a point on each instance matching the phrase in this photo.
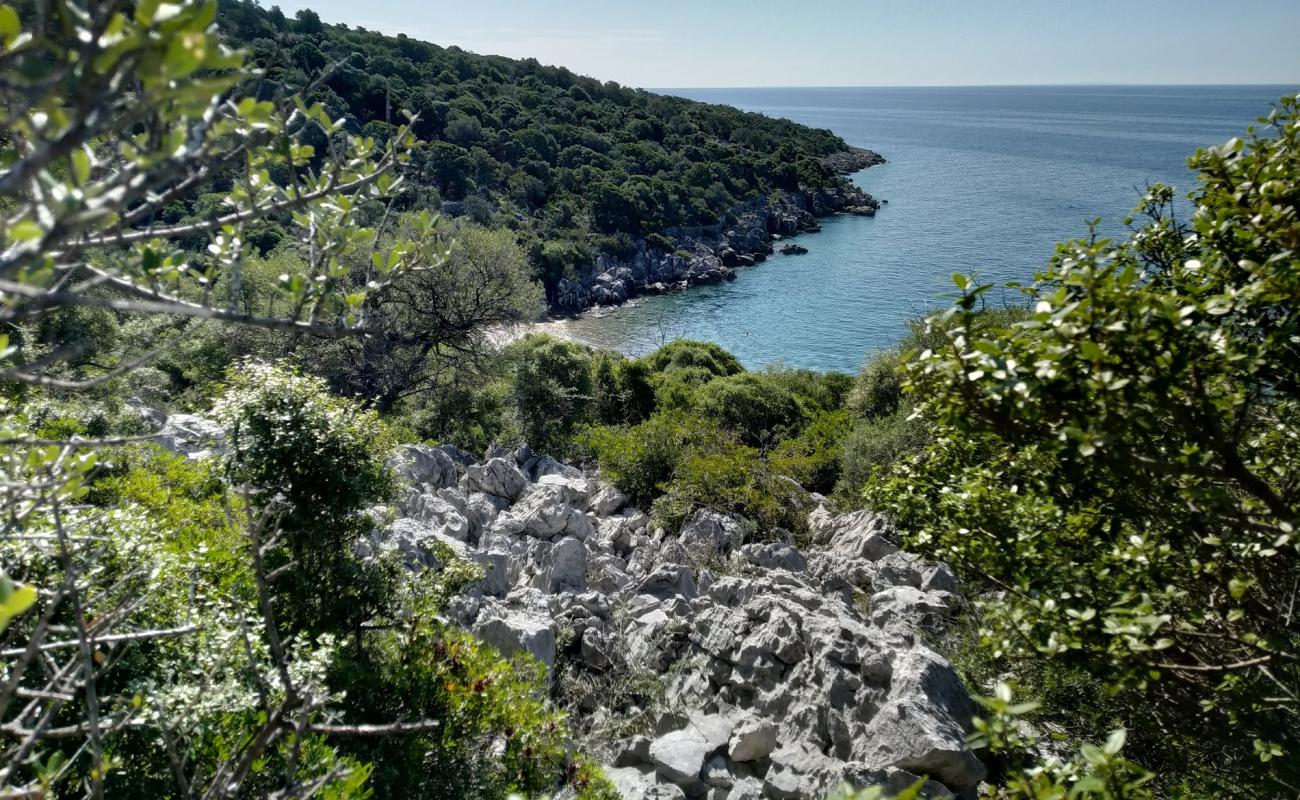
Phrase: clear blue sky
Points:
(685, 43)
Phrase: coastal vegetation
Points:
(571, 165)
(1111, 467)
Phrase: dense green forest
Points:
(1111, 466)
(574, 166)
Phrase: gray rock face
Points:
(428, 466)
(498, 478)
(775, 555)
(191, 436)
(515, 631)
(780, 681)
(752, 740)
(710, 533)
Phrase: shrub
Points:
(754, 406)
(690, 353)
(732, 477)
(876, 445)
(878, 389)
(313, 462)
(642, 459)
(550, 390)
(1122, 464)
(497, 734)
(813, 458)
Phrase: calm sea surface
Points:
(982, 180)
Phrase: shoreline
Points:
(712, 254)
(557, 323)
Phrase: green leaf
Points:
(10, 27)
(80, 166)
(14, 601)
(960, 280)
(145, 11)
(25, 231)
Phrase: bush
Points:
(814, 457)
(875, 445)
(878, 389)
(1122, 464)
(642, 459)
(736, 478)
(690, 353)
(753, 406)
(313, 462)
(550, 391)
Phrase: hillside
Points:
(579, 169)
(249, 548)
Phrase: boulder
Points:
(515, 631)
(717, 772)
(679, 756)
(774, 555)
(709, 532)
(498, 478)
(752, 740)
(635, 784)
(668, 581)
(606, 500)
(453, 452)
(542, 511)
(422, 465)
(632, 752)
(191, 436)
(565, 567)
(922, 726)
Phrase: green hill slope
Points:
(579, 168)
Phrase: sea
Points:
(979, 180)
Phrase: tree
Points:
(112, 114)
(1123, 467)
(434, 324)
(550, 390)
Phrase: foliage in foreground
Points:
(1120, 469)
(171, 629)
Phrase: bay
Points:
(980, 180)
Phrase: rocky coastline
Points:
(710, 255)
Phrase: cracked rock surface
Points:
(715, 661)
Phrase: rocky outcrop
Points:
(781, 671)
(855, 159)
(710, 255)
(189, 435)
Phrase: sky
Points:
(722, 43)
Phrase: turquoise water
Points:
(982, 180)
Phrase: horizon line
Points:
(1079, 85)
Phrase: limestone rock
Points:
(752, 740)
(679, 755)
(708, 532)
(428, 466)
(498, 478)
(606, 500)
(191, 436)
(775, 555)
(512, 632)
